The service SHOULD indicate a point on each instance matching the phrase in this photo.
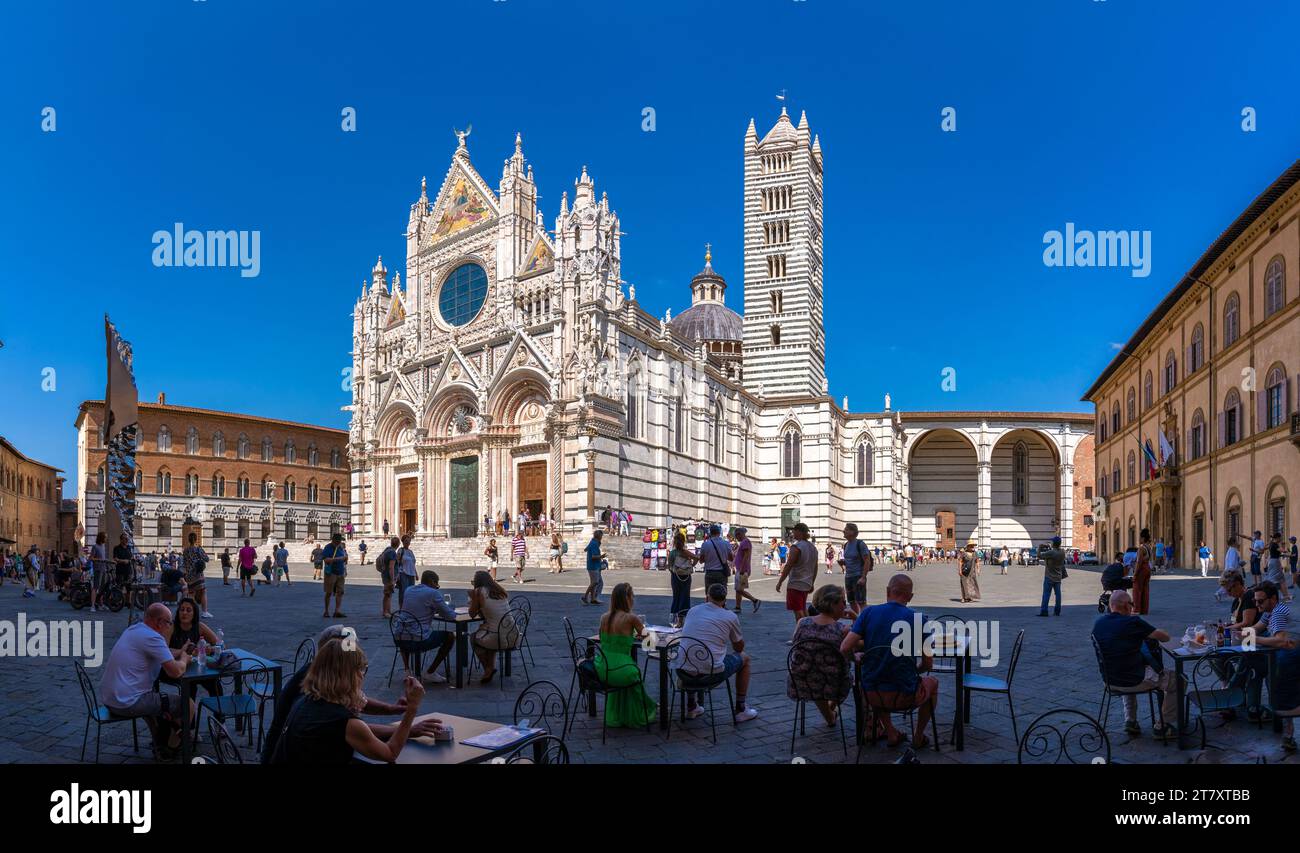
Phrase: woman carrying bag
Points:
(681, 565)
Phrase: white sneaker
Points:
(746, 715)
(434, 678)
(206, 615)
(692, 713)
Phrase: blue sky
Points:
(226, 115)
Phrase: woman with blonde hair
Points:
(324, 727)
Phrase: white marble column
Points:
(1067, 505)
(984, 504)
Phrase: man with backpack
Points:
(857, 562)
(715, 554)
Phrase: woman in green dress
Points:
(614, 665)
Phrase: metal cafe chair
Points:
(99, 714)
(223, 745)
(406, 630)
(1064, 736)
(521, 603)
(695, 672)
(815, 669)
(1107, 693)
(1219, 682)
(976, 683)
(542, 703)
(548, 749)
(881, 659)
(587, 679)
(305, 654)
(947, 664)
(246, 688)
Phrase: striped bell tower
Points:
(785, 337)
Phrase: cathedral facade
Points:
(509, 366)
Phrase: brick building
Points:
(225, 476)
(30, 492)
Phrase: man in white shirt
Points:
(137, 659)
(1257, 547)
(718, 629)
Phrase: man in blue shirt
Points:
(857, 562)
(595, 566)
(425, 602)
(890, 681)
(1122, 637)
(335, 558)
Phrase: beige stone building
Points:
(1210, 376)
(30, 494)
(226, 476)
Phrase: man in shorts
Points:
(857, 562)
(742, 555)
(335, 558)
(247, 568)
(801, 569)
(139, 656)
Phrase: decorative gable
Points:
(523, 351)
(540, 258)
(464, 201)
(396, 312)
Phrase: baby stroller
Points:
(1112, 578)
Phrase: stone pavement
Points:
(42, 713)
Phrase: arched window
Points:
(164, 526)
(1020, 471)
(1171, 372)
(268, 450)
(218, 444)
(99, 479)
(218, 486)
(243, 448)
(290, 451)
(1132, 468)
(164, 439)
(1132, 405)
(1231, 320)
(1276, 404)
(335, 458)
(632, 403)
(1114, 477)
(1274, 286)
(336, 494)
(139, 480)
(1148, 391)
(192, 441)
(290, 489)
(163, 483)
(719, 435)
(1196, 436)
(1196, 351)
(864, 464)
(1231, 431)
(791, 453)
(312, 492)
(313, 455)
(679, 425)
(242, 489)
(1114, 419)
(191, 484)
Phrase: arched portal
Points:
(944, 489)
(1025, 490)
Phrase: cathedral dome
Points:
(708, 318)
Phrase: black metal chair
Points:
(100, 714)
(512, 635)
(1064, 736)
(587, 679)
(305, 654)
(544, 750)
(246, 688)
(522, 604)
(223, 745)
(407, 631)
(946, 664)
(540, 704)
(976, 683)
(695, 671)
(1107, 694)
(1219, 682)
(821, 670)
(881, 660)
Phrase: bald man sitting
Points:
(137, 659)
(893, 684)
(1122, 637)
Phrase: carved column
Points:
(984, 504)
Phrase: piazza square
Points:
(710, 398)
